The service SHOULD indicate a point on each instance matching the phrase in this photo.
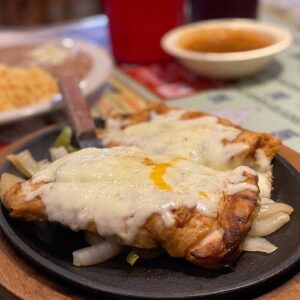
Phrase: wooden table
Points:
(20, 280)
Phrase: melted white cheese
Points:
(200, 139)
(120, 188)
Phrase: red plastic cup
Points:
(136, 27)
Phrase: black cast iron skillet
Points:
(49, 246)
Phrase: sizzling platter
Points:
(247, 259)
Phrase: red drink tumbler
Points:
(136, 27)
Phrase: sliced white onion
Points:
(257, 244)
(266, 200)
(96, 254)
(43, 163)
(266, 226)
(6, 182)
(57, 152)
(24, 163)
(269, 209)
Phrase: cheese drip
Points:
(201, 139)
(118, 189)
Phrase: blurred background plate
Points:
(95, 77)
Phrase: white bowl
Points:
(231, 64)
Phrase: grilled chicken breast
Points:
(212, 141)
(144, 200)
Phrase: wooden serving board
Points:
(19, 279)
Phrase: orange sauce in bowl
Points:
(224, 40)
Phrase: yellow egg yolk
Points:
(158, 172)
(203, 195)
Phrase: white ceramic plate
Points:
(102, 66)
